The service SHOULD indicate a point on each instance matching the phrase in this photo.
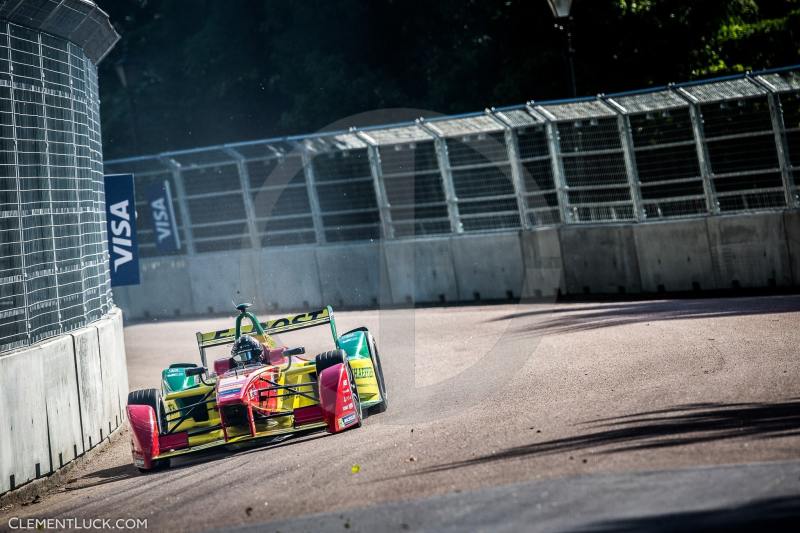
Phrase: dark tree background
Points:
(199, 72)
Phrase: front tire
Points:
(376, 365)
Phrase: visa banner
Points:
(165, 229)
(123, 248)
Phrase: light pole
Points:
(560, 9)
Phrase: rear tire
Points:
(152, 397)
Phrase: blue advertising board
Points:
(123, 248)
(165, 230)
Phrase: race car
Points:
(258, 390)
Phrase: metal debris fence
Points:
(53, 252)
(694, 149)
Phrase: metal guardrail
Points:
(701, 148)
(53, 257)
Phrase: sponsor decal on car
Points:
(347, 420)
(230, 392)
(365, 372)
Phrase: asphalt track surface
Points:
(669, 414)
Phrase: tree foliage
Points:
(209, 71)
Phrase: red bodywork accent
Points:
(275, 356)
(336, 399)
(144, 435)
(308, 415)
(222, 365)
(174, 441)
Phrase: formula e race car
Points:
(261, 389)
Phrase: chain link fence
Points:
(696, 149)
(53, 251)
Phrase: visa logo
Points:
(161, 219)
(121, 231)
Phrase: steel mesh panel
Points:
(661, 127)
(740, 116)
(782, 81)
(280, 200)
(216, 179)
(649, 102)
(485, 181)
(466, 126)
(790, 105)
(589, 135)
(578, 110)
(401, 134)
(532, 142)
(346, 195)
(408, 158)
(667, 165)
(477, 150)
(518, 118)
(419, 188)
(413, 185)
(725, 90)
(595, 170)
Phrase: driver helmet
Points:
(247, 350)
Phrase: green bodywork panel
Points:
(355, 344)
(174, 379)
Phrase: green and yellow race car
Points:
(257, 388)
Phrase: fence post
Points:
(49, 188)
(781, 144)
(183, 205)
(381, 198)
(23, 267)
(447, 175)
(311, 190)
(702, 150)
(249, 209)
(557, 164)
(629, 154)
(77, 190)
(512, 149)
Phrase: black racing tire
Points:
(329, 359)
(151, 397)
(376, 365)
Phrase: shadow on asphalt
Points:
(774, 514)
(677, 426)
(573, 318)
(128, 471)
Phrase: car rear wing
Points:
(270, 327)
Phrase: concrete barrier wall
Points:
(674, 256)
(58, 398)
(721, 252)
